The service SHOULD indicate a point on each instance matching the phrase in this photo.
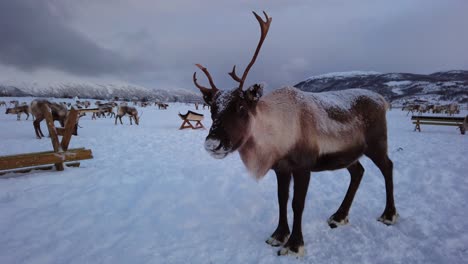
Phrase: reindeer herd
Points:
(421, 108)
(60, 111)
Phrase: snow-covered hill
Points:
(84, 89)
(397, 87)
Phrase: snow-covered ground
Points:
(153, 195)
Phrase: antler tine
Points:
(202, 88)
(213, 86)
(264, 27)
(234, 75)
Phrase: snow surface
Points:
(152, 194)
(398, 83)
(341, 75)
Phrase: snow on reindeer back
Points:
(344, 100)
(340, 103)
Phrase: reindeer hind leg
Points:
(37, 128)
(378, 154)
(341, 216)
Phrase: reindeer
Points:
(87, 104)
(162, 106)
(2, 103)
(106, 108)
(14, 103)
(411, 108)
(59, 113)
(130, 111)
(453, 109)
(18, 110)
(295, 133)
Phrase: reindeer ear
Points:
(253, 93)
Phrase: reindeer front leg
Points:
(295, 244)
(281, 234)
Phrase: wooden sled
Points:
(191, 117)
(59, 156)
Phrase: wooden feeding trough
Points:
(90, 110)
(191, 117)
(58, 157)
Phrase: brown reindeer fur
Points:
(295, 133)
(18, 110)
(59, 113)
(127, 110)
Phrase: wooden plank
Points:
(69, 127)
(26, 155)
(47, 167)
(193, 117)
(437, 123)
(44, 158)
(89, 110)
(438, 118)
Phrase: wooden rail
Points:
(58, 156)
(460, 122)
(41, 158)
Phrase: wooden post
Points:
(53, 134)
(69, 127)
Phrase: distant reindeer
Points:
(453, 109)
(18, 110)
(2, 103)
(411, 108)
(106, 108)
(87, 104)
(130, 111)
(295, 133)
(59, 113)
(162, 106)
(14, 103)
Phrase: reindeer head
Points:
(232, 111)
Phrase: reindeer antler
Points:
(264, 27)
(202, 88)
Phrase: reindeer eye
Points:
(242, 110)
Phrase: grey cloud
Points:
(306, 38)
(33, 36)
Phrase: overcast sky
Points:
(156, 43)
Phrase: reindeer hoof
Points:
(333, 223)
(389, 220)
(296, 252)
(276, 242)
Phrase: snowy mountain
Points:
(396, 87)
(94, 90)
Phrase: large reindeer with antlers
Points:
(295, 133)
